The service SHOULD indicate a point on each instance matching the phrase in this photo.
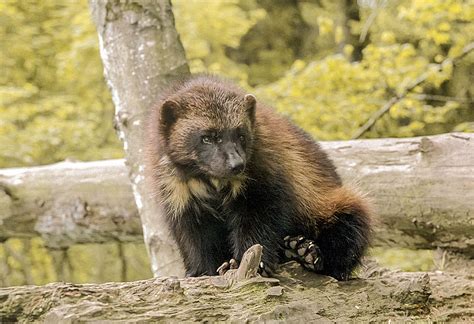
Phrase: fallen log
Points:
(422, 188)
(68, 203)
(295, 295)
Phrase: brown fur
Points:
(277, 148)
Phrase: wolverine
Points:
(229, 172)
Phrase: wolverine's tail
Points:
(345, 235)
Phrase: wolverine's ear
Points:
(250, 104)
(169, 113)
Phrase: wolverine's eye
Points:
(242, 138)
(206, 139)
(218, 139)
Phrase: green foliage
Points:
(325, 91)
(332, 97)
(24, 261)
(207, 32)
(438, 22)
(54, 103)
(274, 41)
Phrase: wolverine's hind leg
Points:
(342, 237)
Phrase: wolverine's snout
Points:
(235, 163)
(236, 166)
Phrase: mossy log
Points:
(295, 295)
(422, 188)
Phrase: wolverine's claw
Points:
(223, 268)
(264, 270)
(293, 242)
(226, 266)
(233, 264)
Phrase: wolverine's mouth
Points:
(227, 175)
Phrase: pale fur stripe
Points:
(177, 194)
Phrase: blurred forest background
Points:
(328, 65)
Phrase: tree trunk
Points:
(422, 188)
(141, 53)
(295, 295)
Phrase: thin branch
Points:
(371, 19)
(423, 96)
(386, 108)
(59, 263)
(123, 262)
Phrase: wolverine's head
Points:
(207, 127)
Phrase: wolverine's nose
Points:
(235, 163)
(237, 166)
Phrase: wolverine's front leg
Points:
(267, 264)
(202, 242)
(249, 230)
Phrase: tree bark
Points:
(295, 295)
(422, 188)
(141, 53)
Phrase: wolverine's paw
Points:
(226, 266)
(304, 251)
